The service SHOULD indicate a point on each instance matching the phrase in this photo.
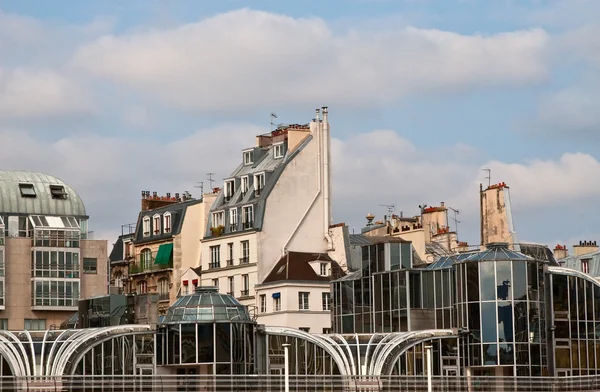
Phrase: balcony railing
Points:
(230, 263)
(245, 260)
(163, 297)
(148, 266)
(244, 293)
(248, 225)
(214, 265)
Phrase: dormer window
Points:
(218, 219)
(27, 190)
(323, 269)
(229, 189)
(278, 150)
(244, 185)
(248, 157)
(146, 226)
(233, 219)
(248, 217)
(58, 192)
(167, 222)
(259, 183)
(156, 224)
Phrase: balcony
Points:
(148, 266)
(244, 293)
(214, 265)
(163, 297)
(244, 260)
(248, 225)
(230, 263)
(43, 301)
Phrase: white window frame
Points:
(326, 299)
(303, 300)
(229, 189)
(263, 303)
(218, 219)
(278, 150)
(245, 221)
(244, 184)
(142, 287)
(146, 226)
(244, 252)
(323, 269)
(167, 222)
(233, 219)
(277, 304)
(229, 254)
(156, 224)
(259, 182)
(231, 284)
(247, 155)
(215, 256)
(585, 266)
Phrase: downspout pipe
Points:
(326, 177)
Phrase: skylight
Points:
(56, 222)
(58, 192)
(27, 190)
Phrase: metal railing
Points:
(275, 383)
(148, 266)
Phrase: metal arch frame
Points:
(314, 339)
(64, 357)
(10, 353)
(49, 361)
(79, 356)
(335, 346)
(14, 340)
(344, 342)
(73, 338)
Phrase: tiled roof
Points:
(295, 266)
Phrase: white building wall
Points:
(290, 315)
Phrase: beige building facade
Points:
(48, 260)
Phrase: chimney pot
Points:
(169, 195)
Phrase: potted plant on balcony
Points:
(217, 231)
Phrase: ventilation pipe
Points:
(326, 178)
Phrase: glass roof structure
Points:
(494, 252)
(204, 306)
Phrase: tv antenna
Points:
(489, 175)
(390, 208)
(422, 207)
(273, 117)
(210, 179)
(455, 219)
(201, 186)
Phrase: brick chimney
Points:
(150, 202)
(585, 247)
(560, 252)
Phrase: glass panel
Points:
(487, 279)
(505, 322)
(488, 321)
(472, 282)
(490, 354)
(503, 277)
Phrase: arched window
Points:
(146, 259)
(142, 287)
(163, 289)
(118, 278)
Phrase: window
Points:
(118, 279)
(263, 303)
(215, 282)
(186, 289)
(90, 265)
(218, 219)
(163, 289)
(2, 292)
(326, 330)
(230, 284)
(245, 245)
(245, 285)
(259, 183)
(55, 264)
(233, 219)
(248, 217)
(156, 224)
(55, 293)
(229, 189)
(145, 260)
(303, 300)
(248, 157)
(326, 300)
(585, 266)
(230, 254)
(4, 324)
(27, 190)
(244, 185)
(304, 329)
(167, 222)
(56, 238)
(277, 304)
(323, 269)
(142, 287)
(215, 256)
(58, 192)
(146, 226)
(35, 324)
(278, 150)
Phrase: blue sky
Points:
(115, 97)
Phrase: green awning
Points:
(164, 254)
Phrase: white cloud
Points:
(244, 59)
(576, 109)
(138, 117)
(27, 93)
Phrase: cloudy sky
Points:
(117, 97)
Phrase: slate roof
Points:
(13, 203)
(574, 262)
(294, 266)
(118, 251)
(177, 211)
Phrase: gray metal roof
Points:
(12, 201)
(574, 262)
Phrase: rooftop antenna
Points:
(422, 207)
(456, 221)
(201, 186)
(489, 176)
(273, 117)
(390, 207)
(210, 179)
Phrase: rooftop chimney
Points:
(585, 247)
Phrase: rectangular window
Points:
(263, 303)
(215, 282)
(167, 223)
(230, 254)
(229, 189)
(248, 217)
(245, 285)
(326, 300)
(142, 287)
(248, 158)
(35, 324)
(146, 226)
(156, 224)
(215, 256)
(231, 285)
(55, 264)
(55, 293)
(245, 250)
(218, 219)
(58, 192)
(585, 266)
(4, 324)
(27, 190)
(277, 304)
(278, 150)
(323, 269)
(304, 329)
(303, 300)
(90, 265)
(233, 219)
(259, 183)
(326, 330)
(244, 185)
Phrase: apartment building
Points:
(48, 260)
(277, 201)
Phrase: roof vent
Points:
(27, 190)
